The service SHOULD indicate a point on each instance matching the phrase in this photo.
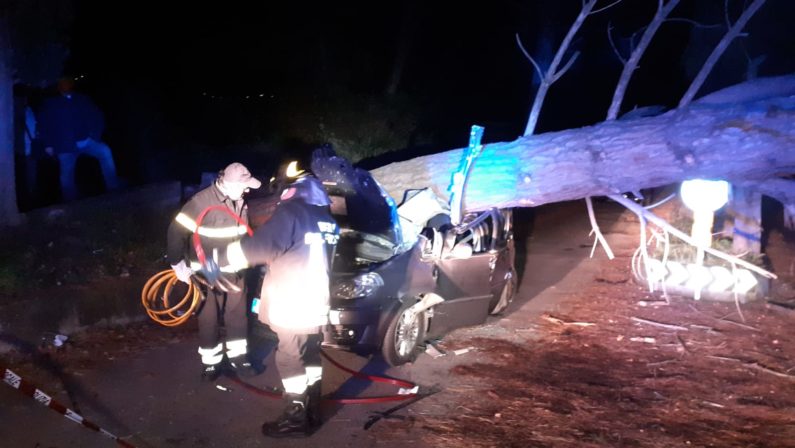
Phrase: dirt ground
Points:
(618, 367)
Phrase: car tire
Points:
(405, 336)
(506, 295)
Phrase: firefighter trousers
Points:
(298, 357)
(229, 309)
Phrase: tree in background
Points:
(33, 47)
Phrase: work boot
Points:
(313, 400)
(210, 373)
(241, 367)
(293, 421)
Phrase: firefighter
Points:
(297, 245)
(225, 304)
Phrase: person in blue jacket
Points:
(70, 124)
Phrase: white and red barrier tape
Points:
(15, 381)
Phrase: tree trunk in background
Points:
(746, 206)
(743, 134)
(9, 213)
(789, 216)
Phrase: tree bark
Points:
(9, 213)
(749, 143)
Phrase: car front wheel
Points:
(404, 337)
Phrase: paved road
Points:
(157, 398)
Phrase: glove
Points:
(182, 271)
(212, 273)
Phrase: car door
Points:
(463, 274)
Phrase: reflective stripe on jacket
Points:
(217, 229)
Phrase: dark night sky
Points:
(147, 62)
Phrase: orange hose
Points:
(155, 299)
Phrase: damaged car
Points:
(404, 274)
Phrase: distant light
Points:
(261, 95)
(705, 195)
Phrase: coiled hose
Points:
(161, 311)
(156, 294)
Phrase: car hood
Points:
(359, 203)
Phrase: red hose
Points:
(197, 244)
(375, 379)
(360, 375)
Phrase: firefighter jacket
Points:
(218, 229)
(297, 245)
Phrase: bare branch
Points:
(597, 231)
(693, 22)
(632, 63)
(550, 76)
(726, 14)
(658, 324)
(530, 58)
(558, 321)
(634, 37)
(753, 365)
(613, 44)
(685, 237)
(566, 67)
(747, 327)
(606, 7)
(733, 32)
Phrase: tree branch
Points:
(730, 35)
(530, 58)
(659, 324)
(566, 67)
(549, 78)
(613, 44)
(685, 237)
(632, 63)
(599, 237)
(606, 7)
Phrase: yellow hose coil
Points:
(157, 304)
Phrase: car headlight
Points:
(363, 285)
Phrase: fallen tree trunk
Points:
(744, 134)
